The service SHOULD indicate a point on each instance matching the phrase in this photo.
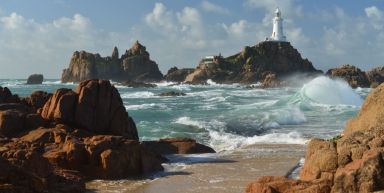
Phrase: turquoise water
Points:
(228, 117)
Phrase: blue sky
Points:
(40, 36)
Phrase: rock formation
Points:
(134, 65)
(95, 106)
(177, 75)
(61, 140)
(251, 64)
(35, 79)
(351, 163)
(376, 76)
(353, 75)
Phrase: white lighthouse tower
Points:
(277, 32)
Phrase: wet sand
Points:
(227, 172)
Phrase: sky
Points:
(40, 36)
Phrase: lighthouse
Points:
(277, 31)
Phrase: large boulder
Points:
(251, 64)
(95, 106)
(376, 76)
(352, 74)
(134, 65)
(177, 146)
(35, 79)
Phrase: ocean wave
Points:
(222, 141)
(146, 106)
(324, 90)
(141, 94)
(289, 116)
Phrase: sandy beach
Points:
(215, 173)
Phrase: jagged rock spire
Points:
(115, 53)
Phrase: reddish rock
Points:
(277, 184)
(37, 100)
(177, 146)
(371, 114)
(96, 106)
(23, 169)
(320, 160)
(102, 156)
(60, 107)
(100, 109)
(11, 123)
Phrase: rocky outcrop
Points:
(351, 163)
(177, 75)
(134, 65)
(172, 93)
(35, 79)
(351, 74)
(251, 64)
(95, 106)
(177, 146)
(94, 156)
(376, 76)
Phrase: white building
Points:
(277, 32)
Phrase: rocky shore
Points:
(56, 142)
(351, 162)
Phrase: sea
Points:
(230, 117)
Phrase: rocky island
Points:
(253, 64)
(134, 65)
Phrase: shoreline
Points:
(221, 172)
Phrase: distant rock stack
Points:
(35, 79)
(134, 65)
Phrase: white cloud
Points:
(27, 46)
(237, 29)
(161, 18)
(210, 7)
(376, 17)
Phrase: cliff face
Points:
(252, 64)
(134, 65)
